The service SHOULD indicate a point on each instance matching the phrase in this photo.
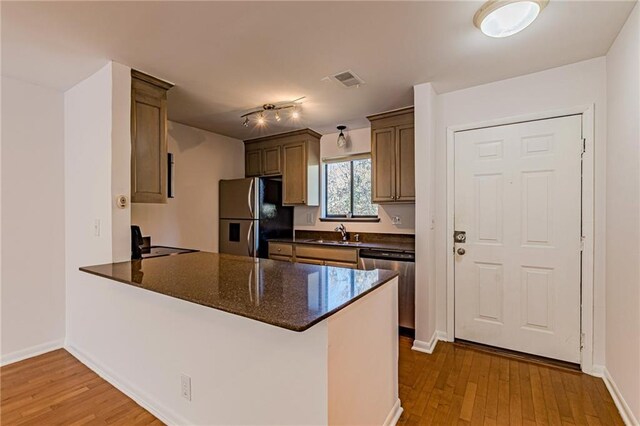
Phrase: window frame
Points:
(350, 159)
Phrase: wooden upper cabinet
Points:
(253, 163)
(295, 156)
(148, 139)
(405, 163)
(295, 173)
(382, 165)
(393, 157)
(271, 160)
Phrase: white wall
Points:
(92, 110)
(190, 219)
(425, 99)
(569, 86)
(33, 303)
(623, 213)
(359, 141)
(121, 160)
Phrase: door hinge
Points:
(582, 243)
(581, 341)
(584, 145)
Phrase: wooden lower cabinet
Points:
(341, 264)
(342, 257)
(309, 261)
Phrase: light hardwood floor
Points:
(460, 385)
(56, 389)
(454, 385)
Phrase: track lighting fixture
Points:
(263, 112)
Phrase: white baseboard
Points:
(625, 412)
(165, 415)
(597, 370)
(394, 414)
(32, 351)
(426, 347)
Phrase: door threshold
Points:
(518, 356)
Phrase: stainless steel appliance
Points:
(404, 263)
(251, 213)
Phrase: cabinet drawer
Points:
(309, 261)
(278, 257)
(342, 264)
(327, 253)
(280, 249)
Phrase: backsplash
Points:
(308, 218)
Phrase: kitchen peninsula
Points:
(262, 341)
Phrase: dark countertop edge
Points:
(229, 311)
(362, 245)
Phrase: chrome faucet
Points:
(342, 230)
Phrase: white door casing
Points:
(518, 197)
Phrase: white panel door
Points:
(518, 198)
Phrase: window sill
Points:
(350, 219)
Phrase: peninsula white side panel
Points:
(363, 359)
(243, 372)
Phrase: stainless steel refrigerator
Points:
(251, 213)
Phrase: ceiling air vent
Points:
(348, 79)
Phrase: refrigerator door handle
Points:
(250, 243)
(250, 198)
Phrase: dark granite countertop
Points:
(294, 296)
(383, 245)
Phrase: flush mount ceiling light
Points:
(342, 140)
(502, 18)
(262, 113)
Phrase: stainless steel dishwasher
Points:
(404, 263)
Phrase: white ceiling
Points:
(229, 57)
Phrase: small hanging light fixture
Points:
(342, 140)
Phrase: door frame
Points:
(587, 208)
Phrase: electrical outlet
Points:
(310, 218)
(396, 220)
(185, 388)
(96, 228)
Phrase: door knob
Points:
(461, 251)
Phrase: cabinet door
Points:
(271, 161)
(405, 164)
(294, 177)
(253, 163)
(148, 143)
(383, 165)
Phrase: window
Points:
(348, 188)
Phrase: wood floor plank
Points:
(453, 386)
(486, 388)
